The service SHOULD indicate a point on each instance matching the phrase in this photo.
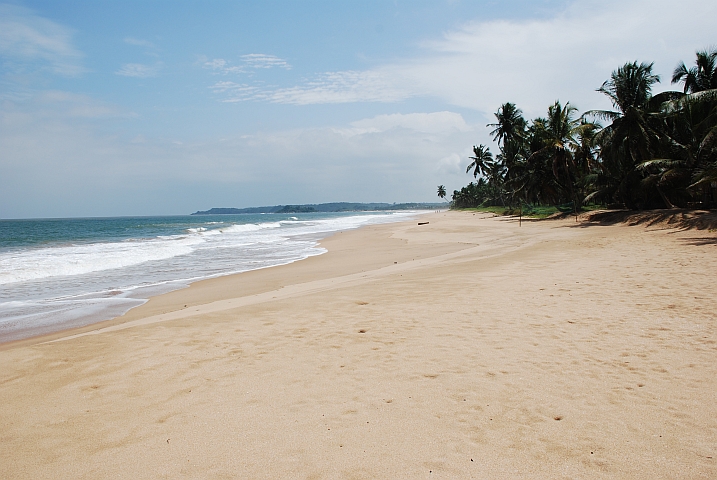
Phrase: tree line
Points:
(649, 151)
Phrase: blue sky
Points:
(167, 107)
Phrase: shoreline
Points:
(84, 323)
(172, 305)
(469, 346)
(49, 333)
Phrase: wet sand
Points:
(470, 347)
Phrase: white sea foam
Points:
(248, 227)
(72, 260)
(40, 263)
(70, 285)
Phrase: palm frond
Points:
(659, 162)
(602, 115)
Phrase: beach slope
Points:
(470, 347)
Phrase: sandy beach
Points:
(470, 347)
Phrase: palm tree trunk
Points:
(664, 197)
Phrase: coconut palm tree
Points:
(481, 161)
(509, 132)
(472, 195)
(441, 191)
(510, 126)
(689, 154)
(701, 77)
(632, 136)
(559, 135)
(692, 127)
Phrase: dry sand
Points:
(466, 348)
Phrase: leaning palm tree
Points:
(701, 77)
(441, 191)
(481, 161)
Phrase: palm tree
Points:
(472, 195)
(630, 86)
(481, 161)
(511, 124)
(560, 141)
(688, 161)
(655, 150)
(701, 77)
(441, 191)
(632, 137)
(495, 185)
(586, 150)
(509, 132)
(705, 175)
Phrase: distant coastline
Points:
(323, 208)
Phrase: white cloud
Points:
(260, 60)
(384, 158)
(28, 40)
(219, 65)
(250, 61)
(529, 62)
(139, 70)
(433, 123)
(534, 62)
(335, 87)
(237, 92)
(450, 165)
(215, 64)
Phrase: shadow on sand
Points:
(680, 219)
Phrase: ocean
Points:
(63, 273)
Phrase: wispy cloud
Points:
(236, 92)
(28, 41)
(219, 65)
(530, 62)
(252, 61)
(331, 87)
(260, 60)
(139, 70)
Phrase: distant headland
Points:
(324, 208)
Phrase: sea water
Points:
(63, 273)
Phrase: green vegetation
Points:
(649, 151)
(297, 209)
(531, 211)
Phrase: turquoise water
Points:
(62, 273)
